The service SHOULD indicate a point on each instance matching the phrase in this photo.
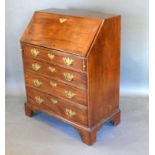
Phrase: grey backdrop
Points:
(134, 38)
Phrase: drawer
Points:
(68, 76)
(50, 103)
(56, 88)
(55, 57)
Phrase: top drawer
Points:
(55, 57)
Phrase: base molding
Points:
(88, 135)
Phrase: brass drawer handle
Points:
(51, 56)
(34, 52)
(39, 100)
(37, 82)
(69, 94)
(36, 66)
(62, 20)
(68, 61)
(69, 76)
(51, 69)
(54, 101)
(53, 84)
(70, 113)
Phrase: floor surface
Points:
(45, 135)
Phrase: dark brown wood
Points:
(58, 59)
(59, 107)
(115, 120)
(92, 41)
(88, 137)
(59, 90)
(104, 72)
(75, 35)
(58, 73)
(28, 110)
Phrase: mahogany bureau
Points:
(72, 68)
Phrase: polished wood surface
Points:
(104, 71)
(75, 35)
(58, 107)
(57, 72)
(79, 63)
(79, 13)
(58, 90)
(87, 49)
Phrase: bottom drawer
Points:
(71, 111)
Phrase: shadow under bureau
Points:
(72, 68)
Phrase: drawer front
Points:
(55, 57)
(56, 72)
(56, 88)
(59, 106)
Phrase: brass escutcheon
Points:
(68, 76)
(51, 69)
(39, 100)
(34, 52)
(54, 101)
(37, 82)
(51, 56)
(53, 84)
(35, 66)
(62, 20)
(70, 113)
(68, 61)
(69, 94)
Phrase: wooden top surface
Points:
(79, 13)
(74, 35)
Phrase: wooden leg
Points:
(28, 111)
(115, 120)
(88, 137)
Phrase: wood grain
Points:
(58, 57)
(59, 90)
(58, 73)
(104, 72)
(73, 36)
(92, 41)
(58, 108)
